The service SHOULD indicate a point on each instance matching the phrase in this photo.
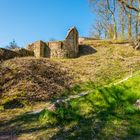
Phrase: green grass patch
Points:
(106, 113)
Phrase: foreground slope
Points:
(32, 79)
(28, 84)
(107, 112)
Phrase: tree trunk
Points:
(115, 27)
(137, 26)
(129, 26)
(122, 22)
(129, 16)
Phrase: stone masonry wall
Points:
(39, 47)
(58, 49)
(71, 43)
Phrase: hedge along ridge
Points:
(8, 54)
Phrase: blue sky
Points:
(27, 21)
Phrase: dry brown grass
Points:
(110, 62)
(34, 80)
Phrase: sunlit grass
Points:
(106, 113)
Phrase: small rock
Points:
(137, 104)
(52, 107)
(61, 103)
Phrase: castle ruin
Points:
(57, 49)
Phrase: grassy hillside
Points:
(106, 113)
(29, 84)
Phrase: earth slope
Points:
(28, 84)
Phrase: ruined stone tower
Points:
(57, 49)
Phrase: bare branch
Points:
(123, 2)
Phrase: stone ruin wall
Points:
(39, 51)
(58, 49)
(71, 43)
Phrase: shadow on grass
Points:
(107, 113)
(86, 50)
(20, 125)
(13, 104)
(111, 116)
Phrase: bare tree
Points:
(52, 39)
(97, 30)
(129, 6)
(112, 10)
(114, 14)
(12, 45)
(122, 22)
(106, 10)
(129, 16)
(136, 27)
(136, 8)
